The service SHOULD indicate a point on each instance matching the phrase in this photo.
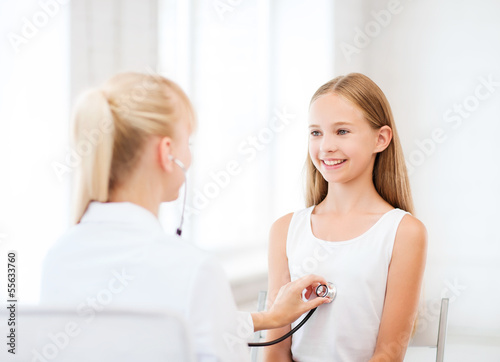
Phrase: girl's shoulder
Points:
(284, 221)
(411, 224)
(279, 228)
(411, 232)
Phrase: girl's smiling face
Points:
(342, 144)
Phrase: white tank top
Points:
(345, 330)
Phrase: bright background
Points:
(243, 63)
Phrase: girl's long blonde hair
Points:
(111, 124)
(389, 170)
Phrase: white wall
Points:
(110, 36)
(428, 58)
(34, 108)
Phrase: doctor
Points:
(132, 134)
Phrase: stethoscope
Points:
(183, 168)
(322, 290)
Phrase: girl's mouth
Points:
(333, 163)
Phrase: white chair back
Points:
(110, 335)
(432, 326)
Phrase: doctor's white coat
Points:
(121, 247)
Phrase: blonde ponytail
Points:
(110, 127)
(93, 139)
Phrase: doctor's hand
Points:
(289, 304)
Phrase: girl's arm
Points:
(403, 291)
(279, 275)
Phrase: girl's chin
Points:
(332, 176)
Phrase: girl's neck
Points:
(353, 196)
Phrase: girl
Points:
(132, 134)
(357, 231)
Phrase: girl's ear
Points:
(384, 137)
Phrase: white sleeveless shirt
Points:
(345, 330)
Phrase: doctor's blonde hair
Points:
(389, 174)
(111, 124)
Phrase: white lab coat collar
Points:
(122, 213)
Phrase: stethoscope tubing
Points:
(183, 168)
(285, 336)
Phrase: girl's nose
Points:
(327, 144)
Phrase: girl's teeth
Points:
(332, 163)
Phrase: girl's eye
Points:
(342, 132)
(315, 133)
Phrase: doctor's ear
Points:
(165, 154)
(384, 137)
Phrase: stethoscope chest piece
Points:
(327, 290)
(322, 290)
